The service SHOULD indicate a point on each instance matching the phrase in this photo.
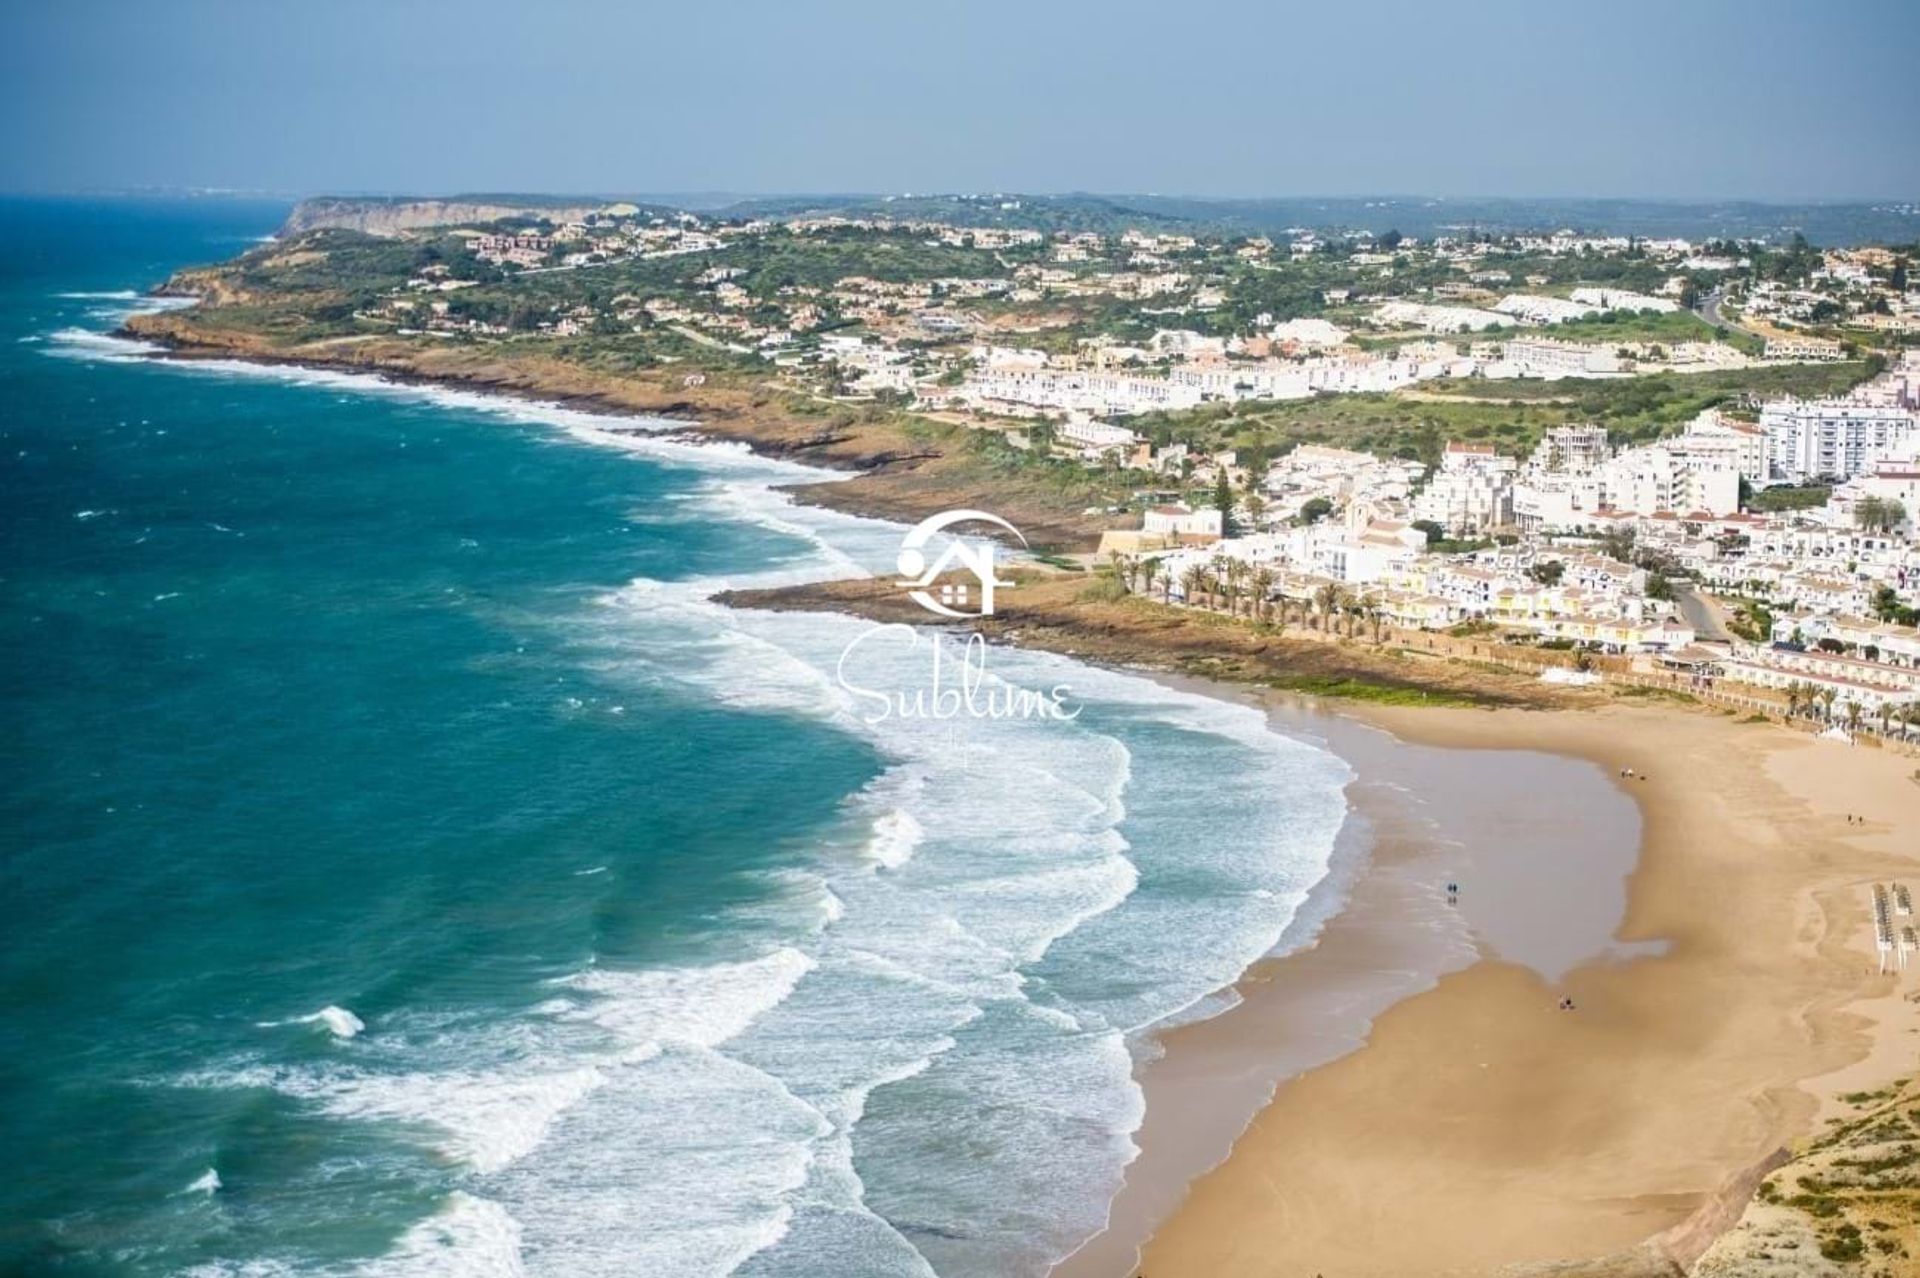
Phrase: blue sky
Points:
(1688, 99)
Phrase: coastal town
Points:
(1690, 459)
(1651, 552)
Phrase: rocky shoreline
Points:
(1079, 615)
(904, 470)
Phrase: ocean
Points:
(409, 869)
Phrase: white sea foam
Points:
(207, 1182)
(699, 1006)
(895, 835)
(337, 1021)
(469, 1237)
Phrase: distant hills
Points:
(1831, 224)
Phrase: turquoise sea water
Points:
(407, 870)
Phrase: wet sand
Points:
(1480, 1126)
(1539, 890)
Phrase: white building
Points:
(1660, 478)
(1096, 436)
(1821, 349)
(1892, 479)
(1182, 521)
(1531, 309)
(1437, 319)
(1543, 357)
(1841, 438)
(1743, 443)
(1613, 299)
(1470, 493)
(1570, 449)
(1311, 333)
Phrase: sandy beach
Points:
(1481, 1127)
(1714, 940)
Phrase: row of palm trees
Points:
(1240, 589)
(1818, 703)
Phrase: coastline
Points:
(894, 470)
(1481, 1128)
(1294, 1181)
(1380, 930)
(1622, 1138)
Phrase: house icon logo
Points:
(975, 558)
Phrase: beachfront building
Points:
(1842, 685)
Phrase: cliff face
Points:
(1848, 1203)
(392, 216)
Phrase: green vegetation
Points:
(1880, 514)
(1664, 328)
(716, 311)
(1887, 607)
(1509, 414)
(1751, 620)
(1352, 689)
(1646, 693)
(1788, 497)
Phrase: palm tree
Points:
(1853, 716)
(1122, 569)
(1796, 695)
(1263, 577)
(1328, 598)
(1192, 581)
(1149, 573)
(1886, 716)
(1371, 608)
(1216, 567)
(1235, 573)
(1826, 696)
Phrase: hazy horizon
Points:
(1694, 103)
(691, 199)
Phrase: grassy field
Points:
(1646, 326)
(1509, 414)
(1349, 688)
